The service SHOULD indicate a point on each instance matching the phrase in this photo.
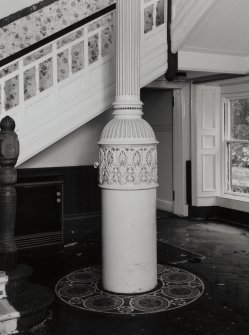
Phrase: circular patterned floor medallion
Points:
(176, 288)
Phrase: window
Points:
(237, 146)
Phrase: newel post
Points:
(27, 304)
(9, 152)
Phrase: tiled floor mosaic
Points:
(176, 288)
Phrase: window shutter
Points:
(207, 153)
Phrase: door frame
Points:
(181, 139)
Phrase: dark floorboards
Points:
(222, 310)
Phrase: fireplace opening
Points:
(39, 214)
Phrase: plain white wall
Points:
(158, 111)
(8, 7)
(78, 148)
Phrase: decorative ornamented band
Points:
(128, 167)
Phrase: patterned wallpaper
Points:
(153, 20)
(55, 62)
(50, 19)
(44, 22)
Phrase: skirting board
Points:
(219, 213)
(164, 205)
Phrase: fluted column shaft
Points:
(128, 57)
(128, 51)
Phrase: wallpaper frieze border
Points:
(31, 31)
(41, 23)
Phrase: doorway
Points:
(158, 112)
(167, 109)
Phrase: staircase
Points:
(68, 78)
(52, 87)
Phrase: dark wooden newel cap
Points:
(7, 124)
